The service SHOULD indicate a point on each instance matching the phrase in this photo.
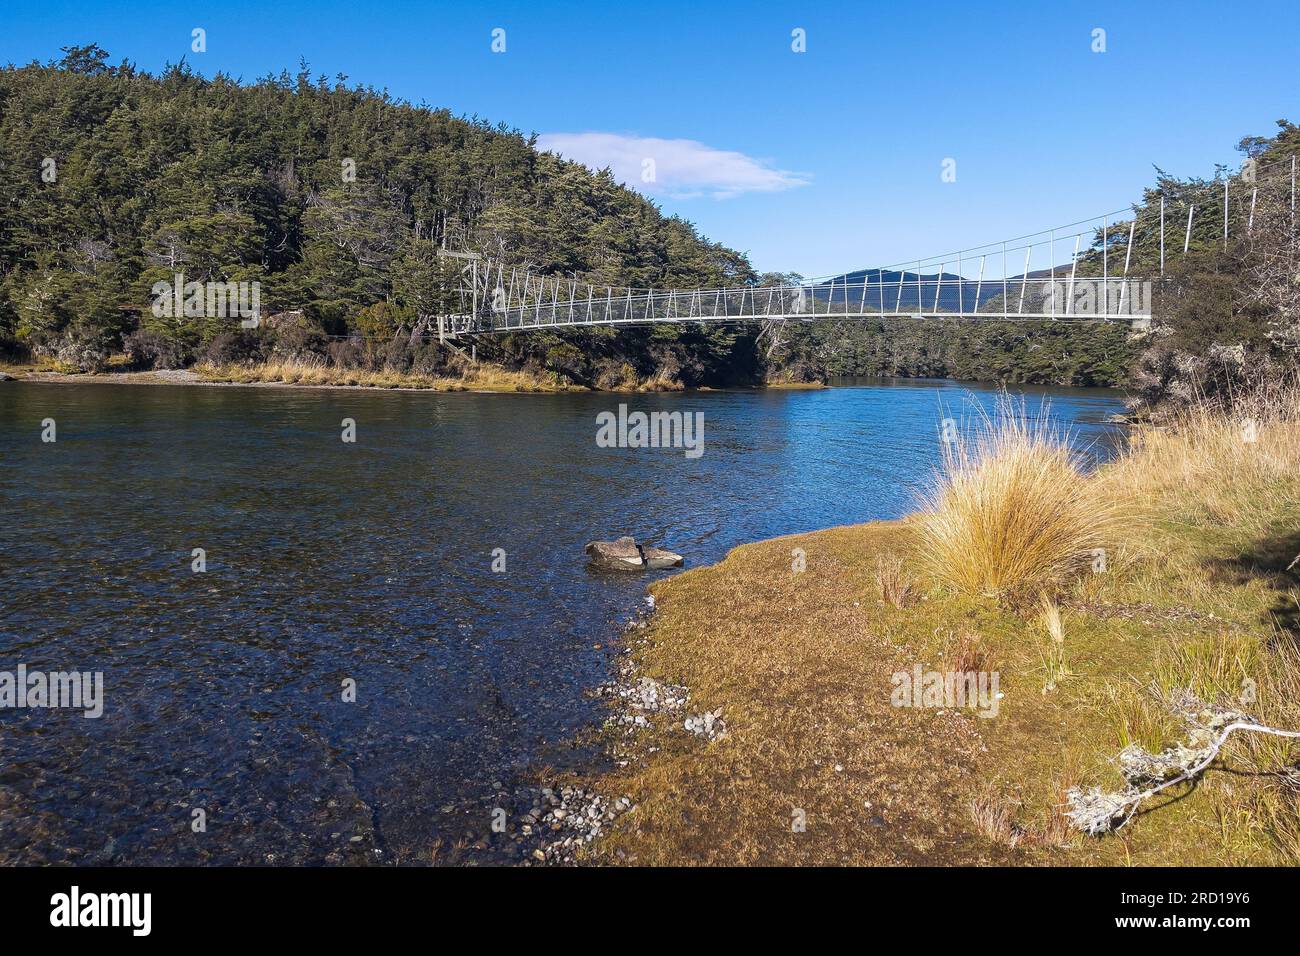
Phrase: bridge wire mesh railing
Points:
(498, 298)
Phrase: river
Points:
(225, 736)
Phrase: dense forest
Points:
(988, 350)
(337, 201)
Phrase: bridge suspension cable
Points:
(501, 298)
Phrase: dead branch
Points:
(1094, 811)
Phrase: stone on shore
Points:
(6, 378)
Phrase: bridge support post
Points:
(1128, 256)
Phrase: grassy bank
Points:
(475, 377)
(481, 378)
(1198, 526)
(470, 377)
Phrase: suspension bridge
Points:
(991, 282)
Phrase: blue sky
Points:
(815, 162)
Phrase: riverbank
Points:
(477, 378)
(1197, 590)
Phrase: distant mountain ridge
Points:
(954, 291)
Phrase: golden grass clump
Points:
(294, 372)
(896, 587)
(1012, 510)
(966, 653)
(1054, 654)
(994, 820)
(1231, 466)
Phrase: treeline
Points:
(336, 200)
(1027, 353)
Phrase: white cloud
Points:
(676, 168)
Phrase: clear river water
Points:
(371, 561)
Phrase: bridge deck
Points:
(496, 305)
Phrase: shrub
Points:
(232, 348)
(1011, 510)
(81, 347)
(613, 375)
(568, 360)
(430, 359)
(12, 350)
(383, 321)
(148, 349)
(346, 353)
(296, 339)
(1168, 381)
(392, 356)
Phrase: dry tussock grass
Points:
(995, 820)
(1012, 510)
(1054, 658)
(476, 377)
(896, 588)
(966, 653)
(1237, 468)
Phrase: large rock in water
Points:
(620, 555)
(6, 378)
(656, 559)
(626, 555)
